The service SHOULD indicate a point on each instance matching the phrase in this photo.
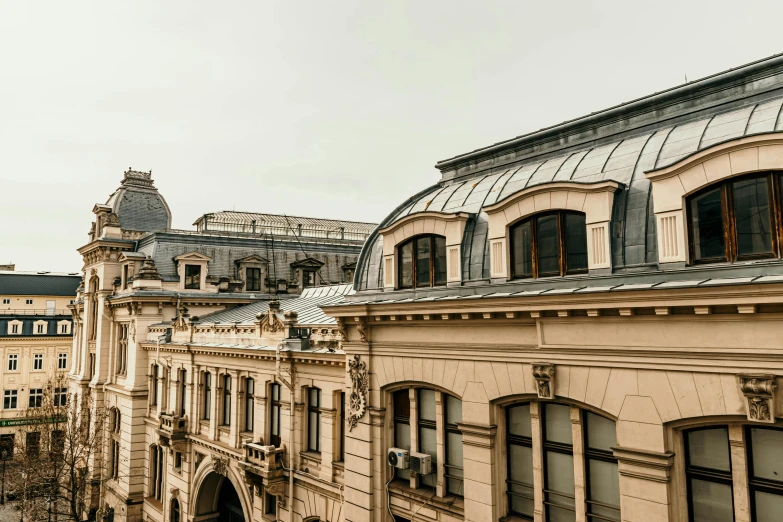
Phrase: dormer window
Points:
(735, 220)
(253, 282)
(308, 278)
(192, 277)
(422, 262)
(550, 244)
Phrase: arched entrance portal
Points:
(218, 501)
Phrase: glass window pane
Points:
(522, 250)
(601, 432)
(453, 410)
(402, 439)
(751, 216)
(560, 478)
(768, 506)
(312, 425)
(520, 475)
(315, 397)
(519, 421)
(548, 245)
(406, 265)
(709, 449)
(428, 444)
(555, 514)
(604, 487)
(454, 458)
(711, 502)
(557, 423)
(402, 404)
(440, 260)
(707, 224)
(423, 261)
(767, 452)
(427, 405)
(575, 242)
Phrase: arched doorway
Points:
(218, 500)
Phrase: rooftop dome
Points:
(138, 203)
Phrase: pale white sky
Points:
(330, 109)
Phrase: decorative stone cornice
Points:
(759, 391)
(544, 375)
(644, 465)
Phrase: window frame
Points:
(226, 400)
(62, 361)
(534, 245)
(275, 407)
(730, 240)
(13, 362)
(207, 396)
(192, 284)
(756, 484)
(252, 283)
(35, 398)
(314, 410)
(454, 429)
(554, 447)
(705, 474)
(589, 454)
(38, 360)
(516, 440)
(414, 258)
(250, 389)
(10, 399)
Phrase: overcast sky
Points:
(331, 109)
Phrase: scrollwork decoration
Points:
(759, 391)
(360, 388)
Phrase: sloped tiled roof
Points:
(30, 283)
(308, 307)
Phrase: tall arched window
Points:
(560, 425)
(422, 262)
(549, 244)
(93, 307)
(735, 220)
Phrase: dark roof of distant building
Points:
(39, 283)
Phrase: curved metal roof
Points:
(623, 160)
(139, 205)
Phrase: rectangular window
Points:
(274, 414)
(63, 328)
(122, 349)
(156, 475)
(706, 215)
(28, 301)
(7, 446)
(39, 328)
(308, 278)
(341, 449)
(60, 396)
(15, 328)
(270, 504)
(9, 399)
(177, 461)
(454, 460)
(428, 433)
(13, 362)
(548, 245)
(114, 463)
(519, 484)
(765, 462)
(314, 419)
(183, 377)
(558, 463)
(32, 444)
(406, 265)
(708, 473)
(226, 400)
(603, 479)
(6, 301)
(192, 277)
(38, 361)
(207, 395)
(752, 216)
(423, 253)
(402, 426)
(253, 283)
(36, 397)
(62, 361)
(250, 389)
(154, 384)
(92, 365)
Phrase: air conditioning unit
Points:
(398, 458)
(421, 463)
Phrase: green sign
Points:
(25, 421)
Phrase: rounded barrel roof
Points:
(139, 205)
(623, 160)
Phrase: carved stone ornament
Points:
(341, 329)
(759, 391)
(544, 374)
(220, 465)
(270, 322)
(361, 327)
(199, 458)
(360, 387)
(112, 220)
(132, 331)
(180, 324)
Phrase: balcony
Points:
(172, 429)
(263, 467)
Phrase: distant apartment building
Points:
(36, 338)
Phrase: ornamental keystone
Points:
(544, 374)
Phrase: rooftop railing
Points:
(35, 311)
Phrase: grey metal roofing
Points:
(283, 225)
(28, 326)
(28, 283)
(273, 348)
(307, 305)
(621, 156)
(138, 203)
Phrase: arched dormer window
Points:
(422, 262)
(736, 220)
(549, 244)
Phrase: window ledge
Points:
(340, 464)
(311, 455)
(449, 503)
(155, 503)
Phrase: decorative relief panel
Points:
(496, 253)
(360, 387)
(544, 375)
(759, 391)
(454, 264)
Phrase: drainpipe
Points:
(290, 387)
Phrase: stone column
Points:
(236, 396)
(440, 422)
(478, 446)
(214, 401)
(739, 473)
(580, 483)
(538, 462)
(644, 484)
(328, 418)
(365, 448)
(414, 420)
